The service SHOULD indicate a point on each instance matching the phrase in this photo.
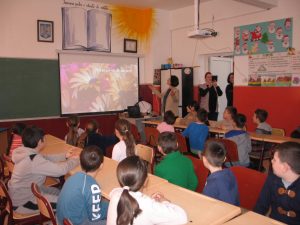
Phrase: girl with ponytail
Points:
(129, 206)
(74, 130)
(126, 146)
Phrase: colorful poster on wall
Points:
(263, 38)
(274, 70)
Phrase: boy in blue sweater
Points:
(80, 198)
(221, 184)
(197, 132)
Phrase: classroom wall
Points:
(282, 103)
(18, 39)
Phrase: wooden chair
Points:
(278, 132)
(232, 154)
(201, 172)
(67, 222)
(250, 183)
(135, 133)
(46, 211)
(108, 151)
(146, 153)
(8, 216)
(9, 164)
(182, 143)
(151, 136)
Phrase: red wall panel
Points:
(282, 104)
(58, 128)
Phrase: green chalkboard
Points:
(29, 88)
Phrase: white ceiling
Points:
(160, 4)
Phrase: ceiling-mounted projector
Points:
(202, 33)
(197, 32)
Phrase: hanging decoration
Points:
(134, 23)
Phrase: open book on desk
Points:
(86, 29)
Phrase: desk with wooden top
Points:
(253, 218)
(200, 209)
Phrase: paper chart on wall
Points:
(274, 70)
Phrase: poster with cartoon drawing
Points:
(263, 38)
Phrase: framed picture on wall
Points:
(45, 31)
(130, 45)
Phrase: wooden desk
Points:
(107, 177)
(200, 209)
(49, 139)
(272, 138)
(250, 218)
(3, 140)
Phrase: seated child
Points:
(242, 140)
(228, 115)
(167, 124)
(126, 146)
(296, 133)
(260, 116)
(128, 205)
(16, 137)
(221, 184)
(74, 130)
(192, 110)
(92, 136)
(80, 198)
(175, 167)
(32, 167)
(281, 190)
(197, 132)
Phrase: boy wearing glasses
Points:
(281, 190)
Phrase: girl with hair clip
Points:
(74, 130)
(126, 146)
(130, 206)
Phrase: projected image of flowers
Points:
(97, 87)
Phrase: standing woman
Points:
(170, 98)
(209, 93)
(229, 89)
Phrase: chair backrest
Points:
(250, 183)
(201, 172)
(108, 151)
(135, 133)
(9, 164)
(43, 204)
(2, 175)
(67, 222)
(5, 205)
(151, 136)
(231, 149)
(278, 132)
(145, 152)
(182, 143)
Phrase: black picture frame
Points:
(130, 45)
(45, 31)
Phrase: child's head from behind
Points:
(122, 130)
(260, 116)
(229, 113)
(286, 158)
(240, 120)
(33, 137)
(92, 126)
(18, 128)
(202, 115)
(73, 121)
(91, 158)
(169, 117)
(132, 174)
(214, 154)
(167, 142)
(193, 106)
